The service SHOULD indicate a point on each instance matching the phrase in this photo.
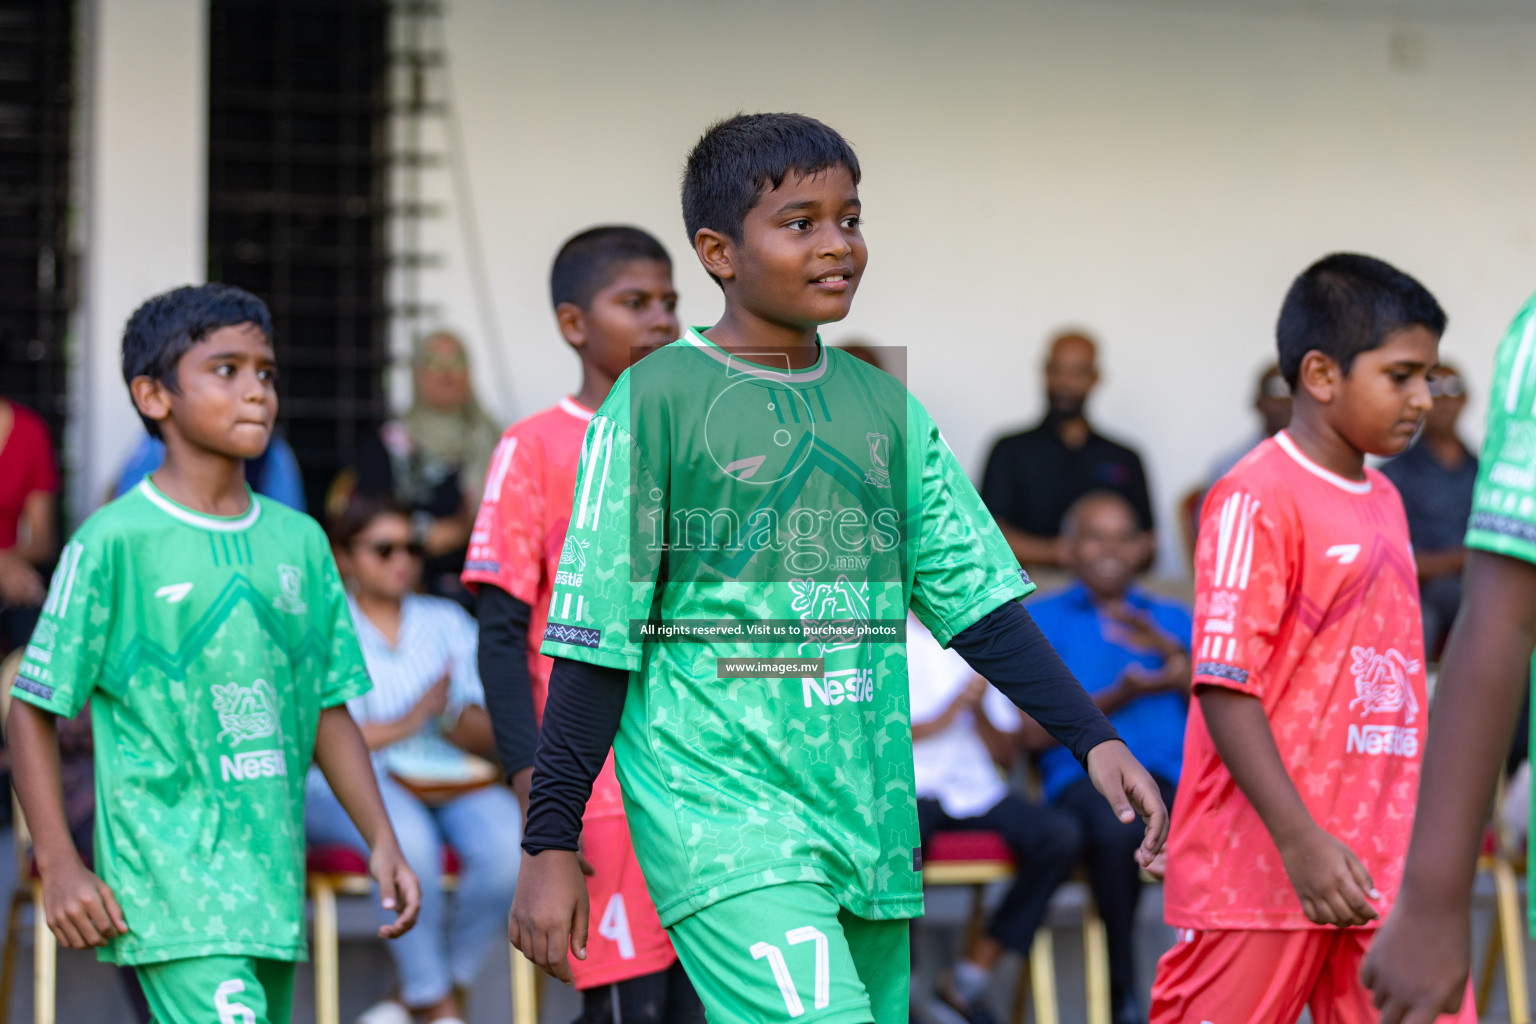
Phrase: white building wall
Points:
(1155, 171)
(146, 170)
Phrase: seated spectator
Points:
(1128, 648)
(963, 731)
(275, 474)
(29, 480)
(422, 720)
(1435, 478)
(434, 458)
(1032, 477)
(1272, 401)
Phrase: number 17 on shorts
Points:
(790, 953)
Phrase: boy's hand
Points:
(1333, 885)
(399, 889)
(1417, 965)
(1130, 791)
(81, 910)
(549, 911)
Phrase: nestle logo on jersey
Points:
(859, 688)
(567, 579)
(1376, 740)
(253, 764)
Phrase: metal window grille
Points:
(37, 60)
(298, 161)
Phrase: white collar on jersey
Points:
(226, 524)
(1288, 446)
(737, 364)
(568, 405)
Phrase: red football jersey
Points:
(1305, 597)
(516, 545)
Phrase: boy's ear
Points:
(572, 320)
(714, 251)
(1319, 376)
(151, 397)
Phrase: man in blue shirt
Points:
(1130, 651)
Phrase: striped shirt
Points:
(436, 636)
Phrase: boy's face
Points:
(635, 310)
(225, 400)
(801, 253)
(1378, 405)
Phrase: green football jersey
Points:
(1504, 500)
(728, 510)
(207, 647)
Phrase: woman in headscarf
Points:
(434, 458)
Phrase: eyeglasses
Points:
(384, 550)
(445, 363)
(1446, 386)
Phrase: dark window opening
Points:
(297, 191)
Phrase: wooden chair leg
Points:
(1511, 934)
(1096, 966)
(327, 971)
(8, 958)
(1042, 977)
(1021, 992)
(525, 996)
(45, 953)
(1490, 962)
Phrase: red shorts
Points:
(624, 936)
(1244, 977)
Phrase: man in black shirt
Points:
(1033, 477)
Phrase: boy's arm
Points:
(1333, 885)
(343, 759)
(1418, 962)
(581, 717)
(503, 657)
(1007, 647)
(81, 909)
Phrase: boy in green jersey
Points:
(1419, 962)
(753, 517)
(209, 629)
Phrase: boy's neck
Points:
(202, 480)
(595, 385)
(742, 331)
(1324, 445)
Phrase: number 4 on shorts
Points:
(795, 936)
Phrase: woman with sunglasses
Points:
(426, 724)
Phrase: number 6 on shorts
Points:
(795, 936)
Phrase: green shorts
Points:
(790, 953)
(226, 989)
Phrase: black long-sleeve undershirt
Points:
(1007, 647)
(503, 661)
(585, 703)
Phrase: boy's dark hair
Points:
(739, 159)
(587, 262)
(358, 514)
(165, 327)
(1345, 304)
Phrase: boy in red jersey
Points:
(613, 297)
(1302, 754)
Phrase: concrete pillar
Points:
(146, 170)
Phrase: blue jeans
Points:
(451, 937)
